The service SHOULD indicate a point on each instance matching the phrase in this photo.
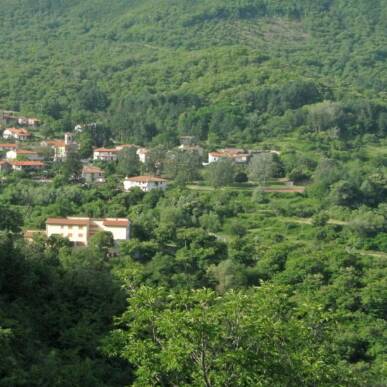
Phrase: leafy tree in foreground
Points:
(254, 338)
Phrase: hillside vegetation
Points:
(217, 69)
(268, 270)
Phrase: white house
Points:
(142, 154)
(79, 230)
(19, 134)
(93, 174)
(29, 121)
(22, 153)
(145, 183)
(235, 154)
(213, 157)
(105, 154)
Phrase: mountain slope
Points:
(60, 56)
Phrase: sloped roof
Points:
(19, 131)
(68, 221)
(8, 146)
(91, 169)
(145, 179)
(120, 222)
(25, 152)
(28, 163)
(106, 150)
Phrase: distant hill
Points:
(153, 69)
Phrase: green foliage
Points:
(150, 71)
(128, 162)
(10, 219)
(221, 173)
(199, 338)
(261, 168)
(305, 78)
(72, 167)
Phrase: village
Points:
(22, 150)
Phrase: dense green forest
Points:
(223, 282)
(230, 70)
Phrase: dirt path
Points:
(285, 190)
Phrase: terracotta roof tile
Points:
(68, 221)
(106, 150)
(91, 169)
(28, 163)
(116, 222)
(145, 179)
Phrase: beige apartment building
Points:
(79, 230)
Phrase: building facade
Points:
(92, 174)
(143, 154)
(21, 153)
(105, 154)
(234, 154)
(19, 134)
(79, 230)
(145, 183)
(27, 165)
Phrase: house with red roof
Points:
(235, 154)
(145, 183)
(93, 174)
(19, 134)
(105, 154)
(27, 165)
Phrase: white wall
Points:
(119, 233)
(104, 156)
(11, 155)
(212, 159)
(144, 186)
(76, 234)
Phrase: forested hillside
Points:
(260, 260)
(217, 69)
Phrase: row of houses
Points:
(111, 154)
(62, 147)
(93, 174)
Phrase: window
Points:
(80, 235)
